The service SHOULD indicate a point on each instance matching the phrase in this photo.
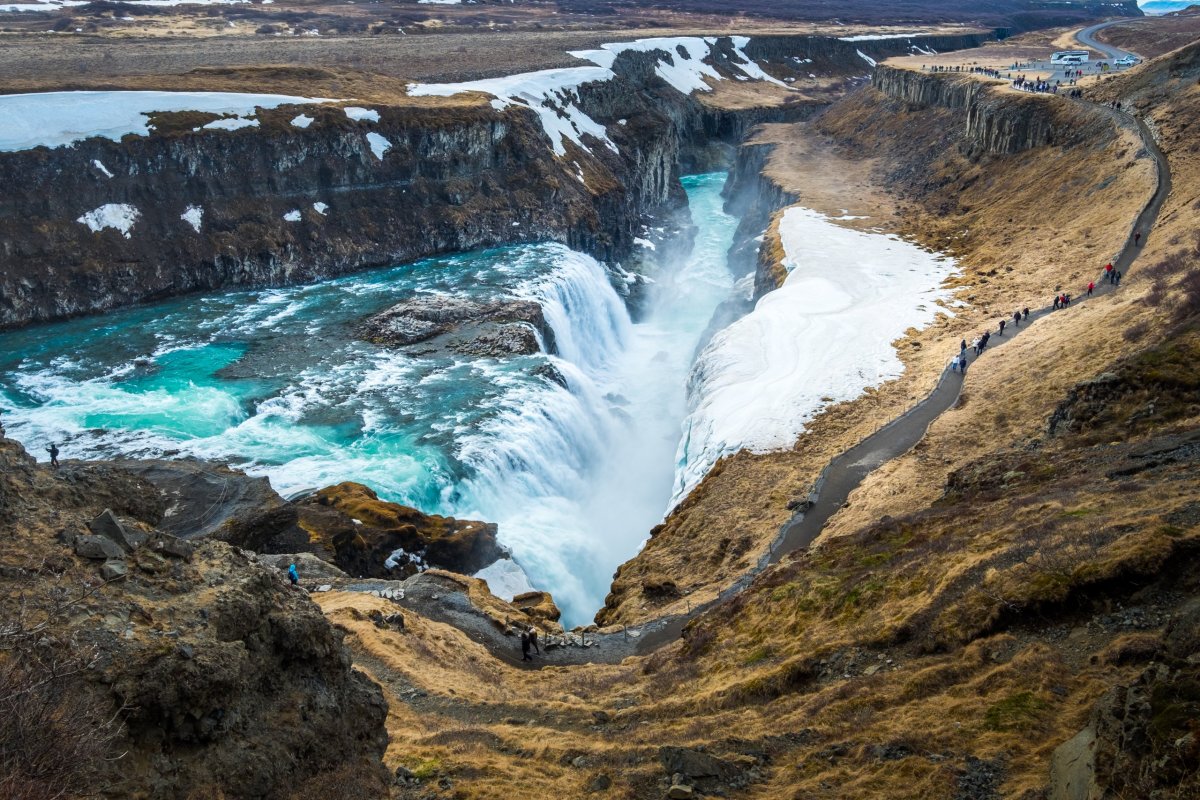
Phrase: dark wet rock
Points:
(430, 324)
(552, 374)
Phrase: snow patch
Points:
(823, 337)
(96, 163)
(875, 37)
(119, 216)
(505, 579)
(231, 124)
(552, 94)
(293, 215)
(359, 114)
(302, 121)
(866, 57)
(320, 208)
(646, 243)
(54, 119)
(193, 216)
(379, 145)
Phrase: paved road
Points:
(1087, 38)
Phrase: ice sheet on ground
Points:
(821, 338)
(358, 114)
(54, 119)
(119, 216)
(193, 216)
(302, 121)
(320, 208)
(505, 579)
(378, 144)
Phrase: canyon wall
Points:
(275, 203)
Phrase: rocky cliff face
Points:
(994, 122)
(277, 203)
(192, 670)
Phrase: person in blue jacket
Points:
(293, 575)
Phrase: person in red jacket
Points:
(1091, 285)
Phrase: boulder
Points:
(1073, 768)
(681, 791)
(167, 544)
(362, 532)
(113, 570)
(98, 547)
(108, 526)
(695, 764)
(538, 606)
(430, 324)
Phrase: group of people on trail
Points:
(529, 641)
(1062, 301)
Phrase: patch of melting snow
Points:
(293, 215)
(866, 58)
(302, 121)
(359, 114)
(378, 144)
(505, 579)
(119, 216)
(320, 208)
(193, 217)
(54, 119)
(553, 94)
(231, 124)
(823, 337)
(96, 163)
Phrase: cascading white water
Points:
(275, 382)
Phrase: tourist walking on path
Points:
(53, 451)
(533, 640)
(1117, 281)
(962, 362)
(294, 575)
(1137, 237)
(1002, 326)
(1057, 301)
(1108, 270)
(1091, 285)
(1017, 318)
(525, 647)
(1025, 313)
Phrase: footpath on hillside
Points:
(839, 478)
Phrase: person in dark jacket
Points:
(53, 451)
(525, 646)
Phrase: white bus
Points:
(1070, 57)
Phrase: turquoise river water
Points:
(273, 381)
